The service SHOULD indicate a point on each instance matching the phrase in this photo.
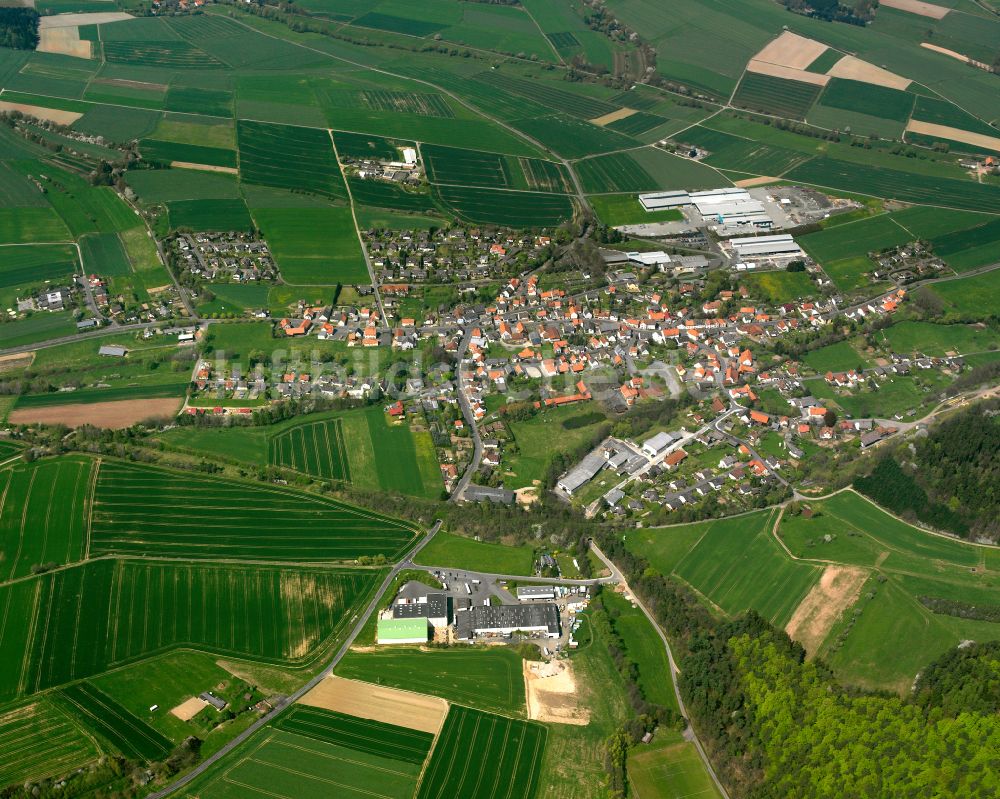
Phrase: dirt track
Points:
(389, 705)
(112, 415)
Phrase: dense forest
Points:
(950, 479)
(777, 726)
(19, 28)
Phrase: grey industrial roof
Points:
(500, 496)
(486, 618)
(436, 607)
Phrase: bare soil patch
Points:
(917, 7)
(65, 41)
(551, 692)
(204, 167)
(955, 134)
(836, 591)
(376, 702)
(132, 84)
(18, 360)
(759, 181)
(114, 415)
(39, 112)
(953, 54)
(188, 709)
(75, 20)
(614, 116)
(791, 50)
(788, 73)
(853, 68)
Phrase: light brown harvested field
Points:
(917, 7)
(953, 54)
(791, 50)
(614, 116)
(376, 702)
(75, 20)
(759, 181)
(114, 415)
(39, 112)
(204, 167)
(65, 41)
(188, 709)
(19, 360)
(778, 71)
(955, 134)
(550, 690)
(853, 68)
(835, 592)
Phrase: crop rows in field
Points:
(549, 96)
(867, 98)
(467, 167)
(941, 112)
(362, 145)
(129, 735)
(210, 215)
(955, 242)
(316, 448)
(78, 622)
(483, 755)
(20, 266)
(508, 208)
(431, 105)
(381, 194)
(545, 175)
(173, 54)
(289, 157)
(364, 735)
(39, 740)
(189, 153)
(894, 184)
(637, 123)
(139, 510)
(394, 24)
(616, 172)
(43, 514)
(562, 40)
(789, 98)
(746, 155)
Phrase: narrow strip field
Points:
(484, 756)
(129, 735)
(39, 740)
(140, 510)
(316, 448)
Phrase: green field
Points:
(514, 209)
(81, 621)
(104, 255)
(780, 287)
(973, 296)
(185, 515)
(26, 266)
(44, 515)
(289, 158)
(488, 677)
(316, 448)
(625, 209)
(926, 337)
(458, 552)
(837, 357)
(645, 648)
(484, 755)
(364, 735)
(210, 215)
(671, 772)
(39, 740)
(786, 98)
(867, 98)
(278, 764)
(129, 735)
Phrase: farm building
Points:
(112, 351)
(657, 444)
(432, 607)
(757, 247)
(661, 200)
(534, 593)
(493, 620)
(402, 631)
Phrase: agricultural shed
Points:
(402, 631)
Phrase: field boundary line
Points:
(24, 521)
(90, 504)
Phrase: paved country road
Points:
(287, 702)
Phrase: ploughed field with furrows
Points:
(141, 510)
